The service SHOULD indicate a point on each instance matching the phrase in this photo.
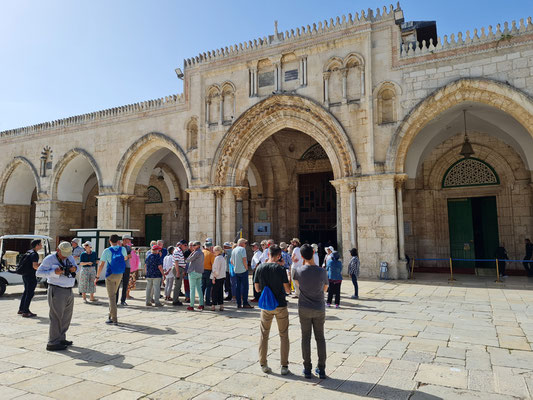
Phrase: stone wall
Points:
(14, 219)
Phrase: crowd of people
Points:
(200, 272)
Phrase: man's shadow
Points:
(95, 358)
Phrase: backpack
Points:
(267, 301)
(25, 265)
(117, 264)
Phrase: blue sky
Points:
(66, 57)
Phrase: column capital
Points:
(399, 180)
(326, 75)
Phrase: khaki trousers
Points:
(282, 319)
(112, 283)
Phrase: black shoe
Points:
(228, 298)
(66, 342)
(56, 347)
(123, 303)
(308, 374)
(321, 373)
(177, 303)
(181, 293)
(20, 312)
(109, 321)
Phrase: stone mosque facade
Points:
(348, 131)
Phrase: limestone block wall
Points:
(14, 219)
(201, 214)
(376, 226)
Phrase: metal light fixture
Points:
(160, 176)
(466, 149)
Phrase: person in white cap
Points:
(59, 269)
(76, 249)
(329, 252)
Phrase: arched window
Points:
(192, 134)
(153, 195)
(386, 100)
(470, 172)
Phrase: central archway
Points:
(272, 115)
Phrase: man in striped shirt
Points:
(179, 269)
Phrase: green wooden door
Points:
(461, 232)
(153, 224)
(486, 237)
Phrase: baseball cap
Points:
(127, 236)
(155, 247)
(65, 248)
(227, 244)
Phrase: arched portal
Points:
(486, 203)
(155, 164)
(19, 190)
(272, 115)
(76, 182)
(263, 153)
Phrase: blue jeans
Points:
(242, 288)
(207, 286)
(355, 285)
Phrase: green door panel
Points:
(153, 224)
(461, 231)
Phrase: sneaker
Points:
(328, 304)
(247, 306)
(109, 321)
(266, 369)
(221, 308)
(308, 374)
(284, 370)
(67, 342)
(190, 308)
(159, 304)
(187, 300)
(28, 315)
(200, 308)
(354, 297)
(177, 303)
(321, 373)
(148, 304)
(20, 312)
(337, 306)
(213, 308)
(123, 303)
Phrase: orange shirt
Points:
(209, 259)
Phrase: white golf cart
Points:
(12, 247)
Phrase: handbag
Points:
(267, 301)
(231, 270)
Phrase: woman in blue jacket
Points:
(334, 268)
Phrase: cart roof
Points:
(26, 237)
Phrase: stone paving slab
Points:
(423, 339)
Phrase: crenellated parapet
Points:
(130, 109)
(301, 33)
(481, 36)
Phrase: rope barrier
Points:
(451, 260)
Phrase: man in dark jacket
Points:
(29, 279)
(529, 255)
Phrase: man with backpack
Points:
(115, 258)
(272, 276)
(27, 266)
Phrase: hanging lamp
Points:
(466, 149)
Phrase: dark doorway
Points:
(473, 225)
(153, 224)
(318, 208)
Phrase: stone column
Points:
(353, 214)
(256, 81)
(305, 71)
(277, 76)
(376, 225)
(218, 219)
(399, 182)
(207, 103)
(240, 193)
(202, 211)
(112, 211)
(362, 80)
(326, 88)
(344, 85)
(126, 210)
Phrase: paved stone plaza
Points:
(418, 340)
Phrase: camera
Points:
(66, 270)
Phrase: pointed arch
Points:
(133, 159)
(270, 116)
(499, 95)
(334, 63)
(60, 166)
(10, 169)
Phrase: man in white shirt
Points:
(297, 261)
(59, 269)
(256, 260)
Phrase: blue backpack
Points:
(117, 264)
(267, 301)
